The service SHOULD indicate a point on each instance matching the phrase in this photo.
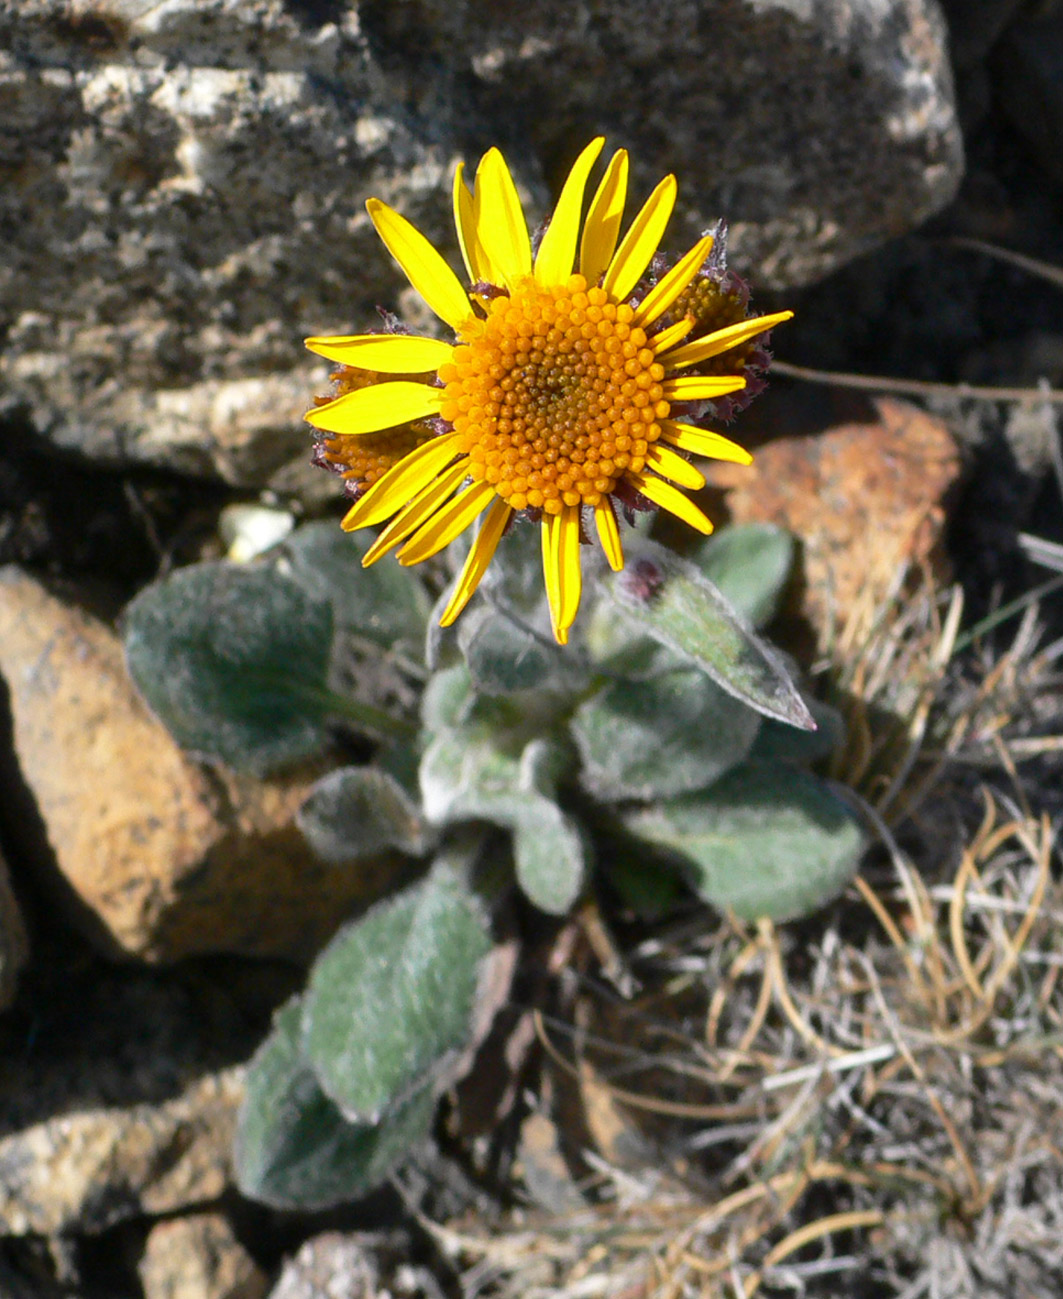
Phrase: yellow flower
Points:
(556, 397)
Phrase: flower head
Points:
(573, 385)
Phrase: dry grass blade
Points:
(915, 387)
(796, 1240)
(858, 1071)
(891, 1068)
(1043, 270)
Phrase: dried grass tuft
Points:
(868, 1103)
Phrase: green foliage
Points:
(657, 711)
(476, 773)
(503, 657)
(551, 851)
(294, 1149)
(390, 1001)
(383, 603)
(234, 660)
(357, 812)
(666, 735)
(671, 600)
(750, 564)
(505, 638)
(346, 1083)
(766, 840)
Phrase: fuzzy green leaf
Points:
(390, 1001)
(294, 1149)
(505, 658)
(448, 699)
(234, 661)
(464, 771)
(549, 848)
(671, 600)
(766, 840)
(357, 812)
(384, 603)
(750, 563)
(662, 736)
(466, 775)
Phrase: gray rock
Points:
(120, 1089)
(329, 1266)
(184, 196)
(184, 181)
(88, 1169)
(817, 128)
(198, 1257)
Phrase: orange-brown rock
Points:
(861, 483)
(159, 857)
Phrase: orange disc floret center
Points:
(555, 395)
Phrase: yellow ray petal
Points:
(387, 353)
(481, 554)
(418, 511)
(424, 267)
(553, 261)
(368, 410)
(447, 522)
(701, 387)
(703, 442)
(551, 573)
(671, 499)
(674, 467)
(500, 224)
(673, 334)
(641, 241)
(402, 482)
(722, 340)
(609, 533)
(465, 224)
(570, 578)
(393, 489)
(602, 226)
(467, 219)
(670, 286)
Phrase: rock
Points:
(198, 1257)
(861, 484)
(817, 130)
(14, 943)
(330, 1266)
(201, 171)
(120, 1085)
(120, 1088)
(88, 1169)
(160, 857)
(184, 182)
